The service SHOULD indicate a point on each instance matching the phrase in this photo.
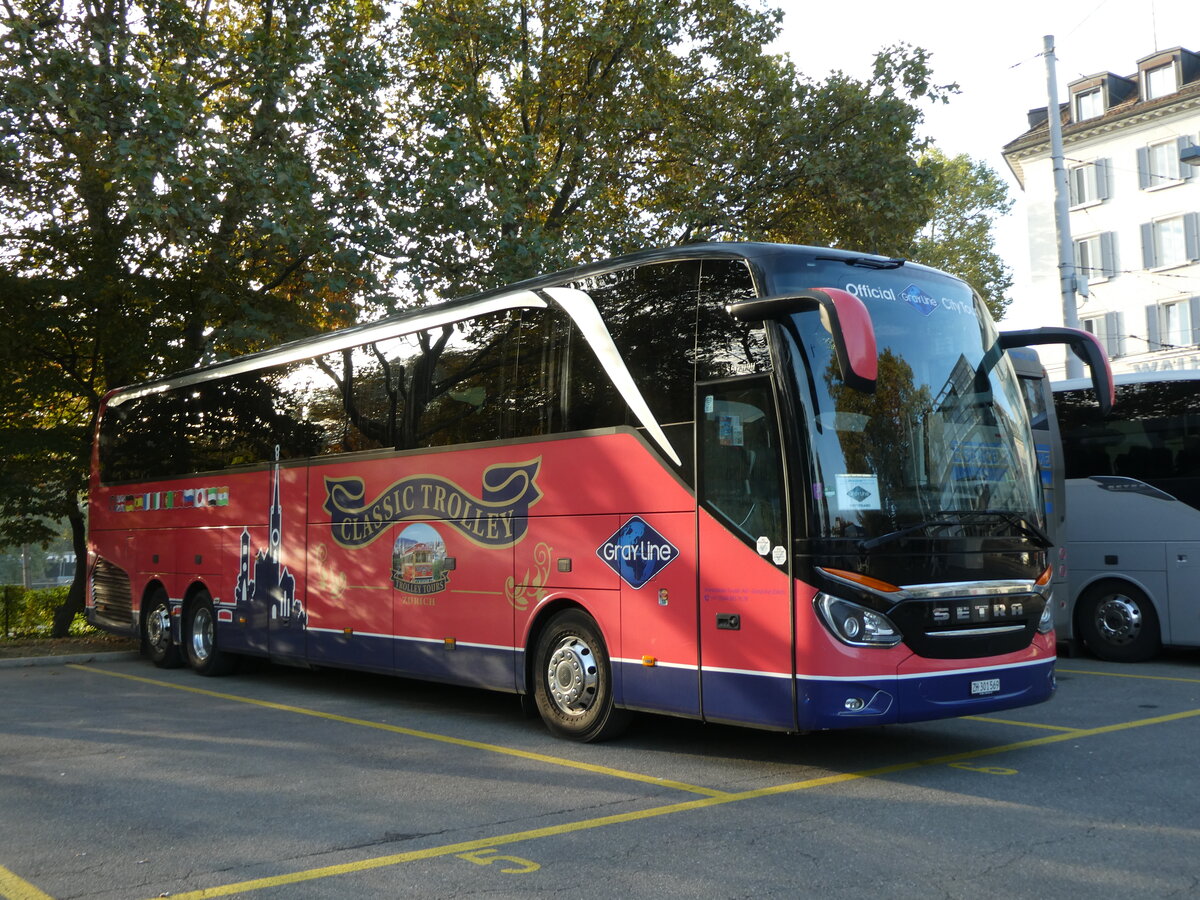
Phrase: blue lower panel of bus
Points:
(470, 664)
(669, 689)
(919, 698)
(490, 667)
(748, 698)
(352, 651)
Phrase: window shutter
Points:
(1108, 253)
(1113, 338)
(1153, 341)
(1191, 235)
(1103, 178)
(1073, 187)
(1186, 171)
(1148, 260)
(1194, 312)
(1143, 163)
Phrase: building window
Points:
(1088, 183)
(1173, 241)
(1089, 104)
(1095, 257)
(1109, 330)
(1172, 325)
(1160, 81)
(1158, 163)
(1176, 328)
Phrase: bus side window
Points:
(650, 311)
(724, 346)
(740, 462)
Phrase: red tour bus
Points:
(784, 487)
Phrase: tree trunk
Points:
(65, 614)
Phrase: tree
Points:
(958, 235)
(536, 134)
(181, 182)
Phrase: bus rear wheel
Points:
(573, 680)
(157, 645)
(1117, 622)
(200, 638)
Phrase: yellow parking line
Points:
(1015, 722)
(14, 888)
(687, 806)
(1061, 670)
(425, 735)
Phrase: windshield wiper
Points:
(865, 262)
(1021, 524)
(905, 532)
(964, 517)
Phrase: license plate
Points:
(985, 686)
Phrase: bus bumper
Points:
(921, 696)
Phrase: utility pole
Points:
(1062, 222)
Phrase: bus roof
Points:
(523, 294)
(1075, 384)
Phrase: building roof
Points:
(1124, 111)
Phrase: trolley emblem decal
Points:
(637, 552)
(496, 519)
(419, 561)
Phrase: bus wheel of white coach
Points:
(1117, 622)
(200, 638)
(573, 680)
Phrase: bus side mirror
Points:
(1084, 344)
(844, 315)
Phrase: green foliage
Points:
(180, 182)
(538, 134)
(958, 235)
(31, 613)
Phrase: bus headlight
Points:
(855, 625)
(1046, 622)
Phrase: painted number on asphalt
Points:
(986, 770)
(487, 857)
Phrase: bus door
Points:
(746, 660)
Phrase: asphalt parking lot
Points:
(120, 780)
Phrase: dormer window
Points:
(1160, 81)
(1089, 104)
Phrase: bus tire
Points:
(200, 638)
(157, 645)
(573, 680)
(1117, 622)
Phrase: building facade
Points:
(1134, 210)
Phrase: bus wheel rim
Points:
(202, 634)
(573, 676)
(158, 627)
(1119, 620)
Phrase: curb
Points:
(26, 661)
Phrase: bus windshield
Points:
(942, 447)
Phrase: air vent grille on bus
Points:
(112, 595)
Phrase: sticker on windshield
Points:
(729, 431)
(919, 300)
(857, 492)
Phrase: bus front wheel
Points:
(1117, 622)
(156, 632)
(573, 680)
(200, 638)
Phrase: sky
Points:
(994, 53)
